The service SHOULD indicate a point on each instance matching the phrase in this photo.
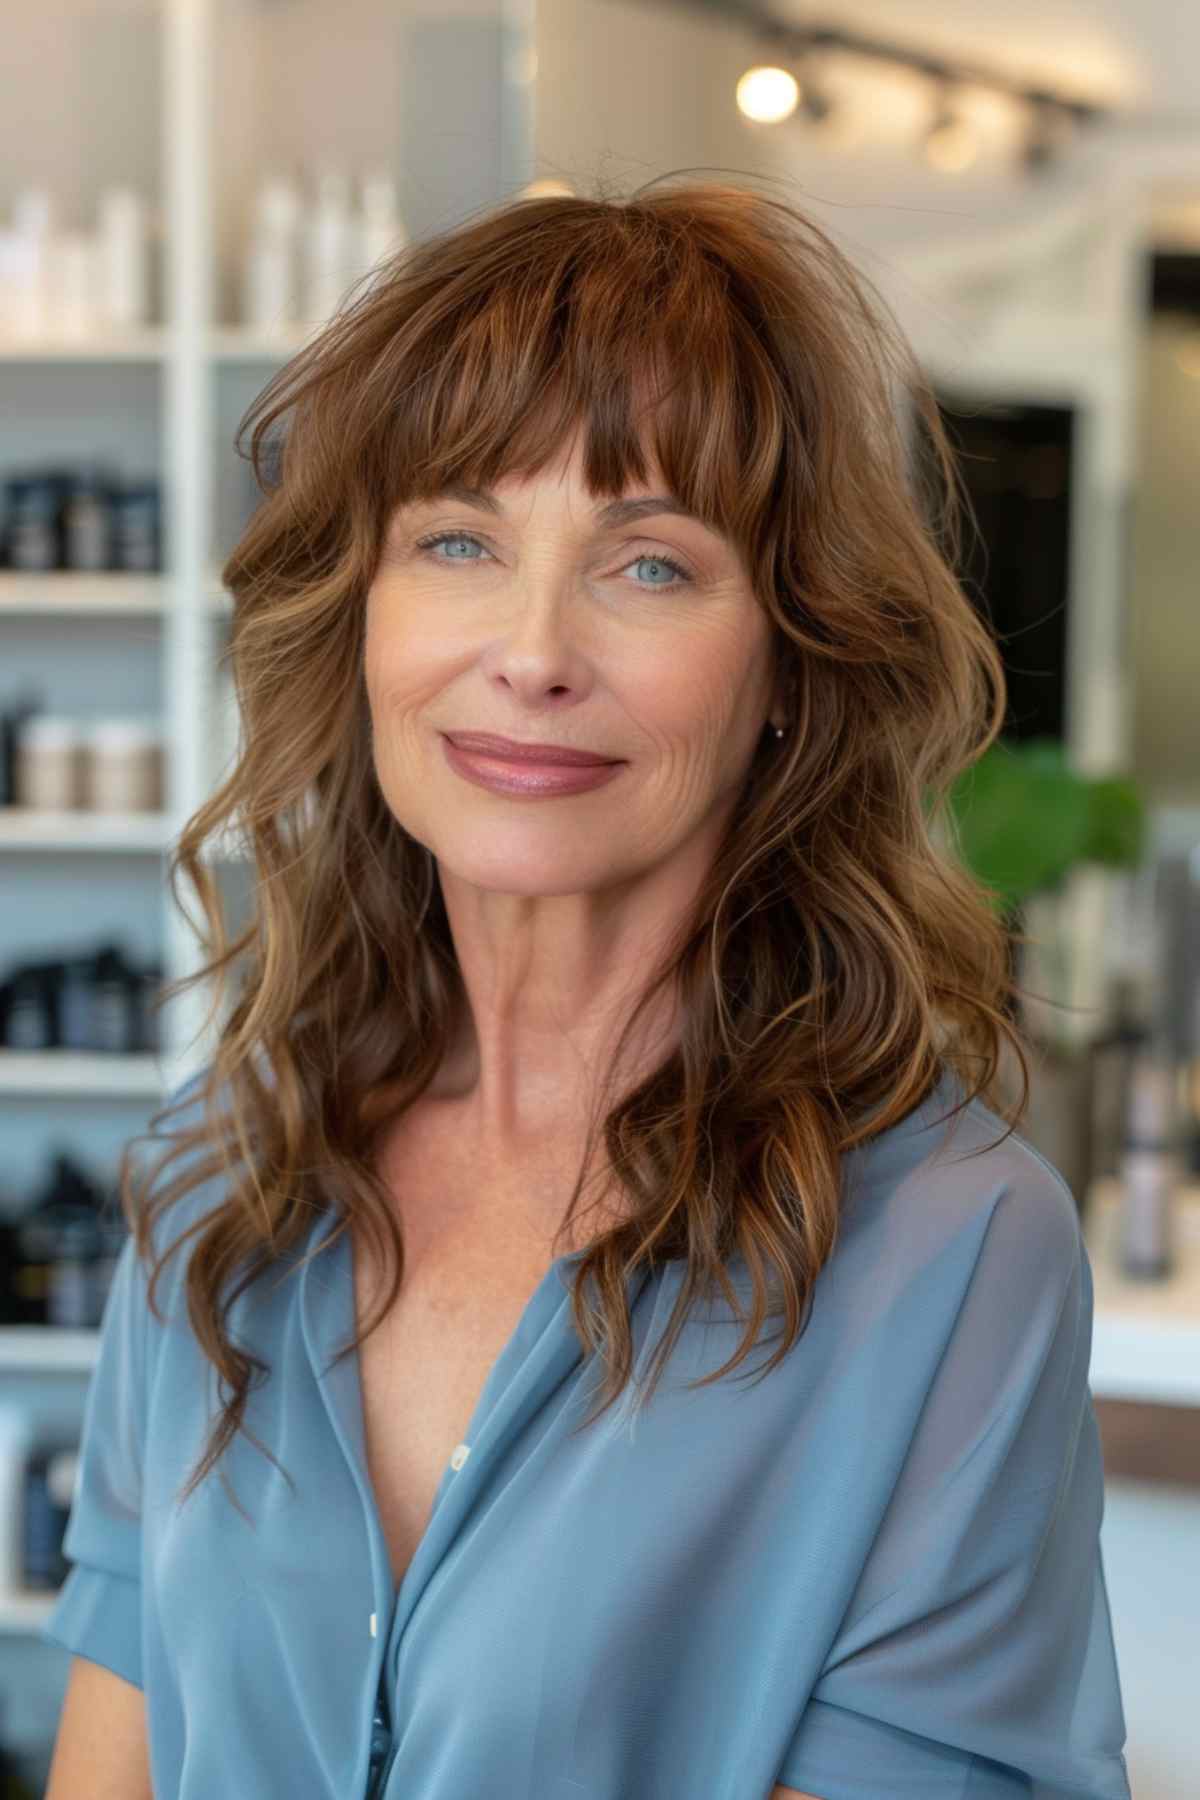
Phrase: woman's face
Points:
(541, 620)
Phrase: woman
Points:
(627, 479)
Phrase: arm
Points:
(100, 1752)
(777, 1793)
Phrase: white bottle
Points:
(20, 285)
(72, 266)
(329, 247)
(26, 302)
(381, 230)
(1150, 1168)
(269, 284)
(123, 300)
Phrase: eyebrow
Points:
(615, 512)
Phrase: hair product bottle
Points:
(269, 296)
(380, 228)
(26, 289)
(1113, 1056)
(123, 301)
(1150, 1168)
(87, 520)
(329, 248)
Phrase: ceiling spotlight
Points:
(767, 94)
(950, 144)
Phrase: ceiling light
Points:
(767, 94)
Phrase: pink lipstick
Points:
(523, 778)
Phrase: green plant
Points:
(1023, 821)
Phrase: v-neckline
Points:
(329, 1319)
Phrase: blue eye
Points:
(466, 537)
(664, 562)
(449, 537)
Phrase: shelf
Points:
(131, 834)
(26, 1612)
(242, 343)
(66, 591)
(119, 834)
(146, 345)
(48, 1349)
(26, 595)
(223, 344)
(79, 1072)
(28, 828)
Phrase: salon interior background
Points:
(1023, 185)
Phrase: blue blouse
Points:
(874, 1572)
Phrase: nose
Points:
(539, 655)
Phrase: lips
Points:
(485, 743)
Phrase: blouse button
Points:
(460, 1455)
(381, 1737)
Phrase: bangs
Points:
(627, 339)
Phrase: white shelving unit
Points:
(195, 101)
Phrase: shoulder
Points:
(952, 1176)
(1030, 1202)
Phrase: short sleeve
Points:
(97, 1612)
(976, 1659)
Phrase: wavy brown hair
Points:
(839, 959)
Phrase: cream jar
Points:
(123, 766)
(48, 772)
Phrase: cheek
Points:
(410, 645)
(398, 671)
(378, 646)
(699, 697)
